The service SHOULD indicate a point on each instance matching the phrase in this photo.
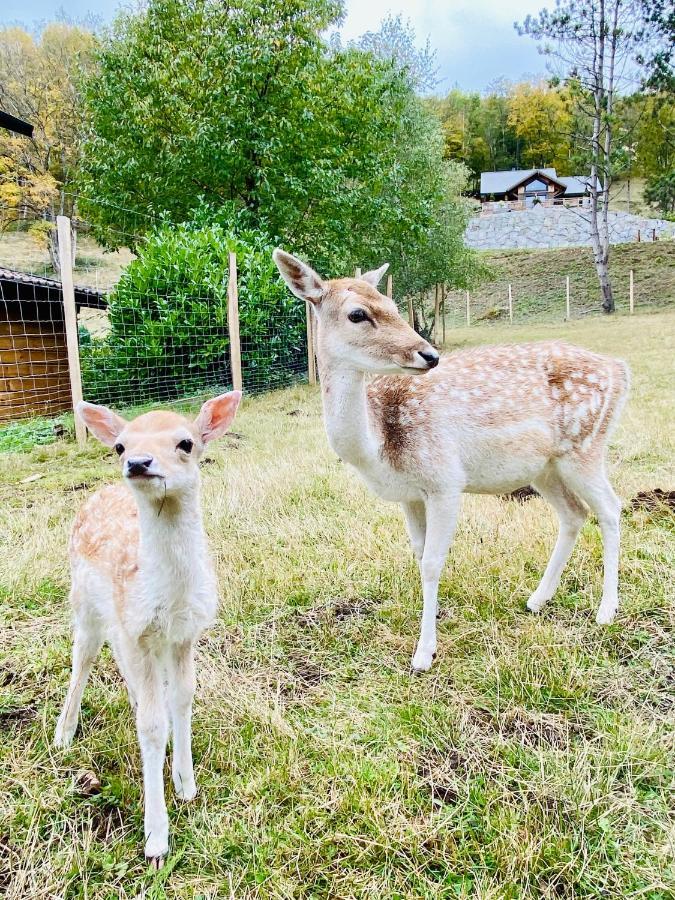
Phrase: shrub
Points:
(168, 333)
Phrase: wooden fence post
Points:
(631, 292)
(233, 324)
(567, 297)
(443, 312)
(70, 318)
(510, 306)
(468, 310)
(437, 311)
(411, 313)
(311, 358)
(390, 286)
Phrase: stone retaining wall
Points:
(544, 228)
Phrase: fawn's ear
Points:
(375, 275)
(216, 416)
(301, 278)
(103, 423)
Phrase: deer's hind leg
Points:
(571, 516)
(593, 486)
(87, 643)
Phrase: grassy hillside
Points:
(537, 278)
(533, 762)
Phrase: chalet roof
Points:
(501, 182)
(84, 296)
(575, 184)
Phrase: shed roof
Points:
(84, 296)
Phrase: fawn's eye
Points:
(358, 315)
(185, 445)
(119, 449)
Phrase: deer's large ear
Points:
(301, 278)
(375, 276)
(216, 416)
(103, 423)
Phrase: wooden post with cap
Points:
(70, 320)
(233, 324)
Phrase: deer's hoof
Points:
(535, 604)
(606, 616)
(422, 660)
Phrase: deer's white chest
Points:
(388, 483)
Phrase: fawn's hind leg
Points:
(87, 642)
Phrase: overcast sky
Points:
(475, 39)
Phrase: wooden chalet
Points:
(525, 188)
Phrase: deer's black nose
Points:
(138, 465)
(430, 357)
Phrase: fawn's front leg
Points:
(181, 691)
(153, 729)
(441, 519)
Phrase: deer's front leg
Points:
(181, 692)
(416, 523)
(441, 517)
(153, 729)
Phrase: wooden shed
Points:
(34, 377)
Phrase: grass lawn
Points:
(534, 761)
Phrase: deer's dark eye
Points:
(119, 449)
(358, 315)
(186, 445)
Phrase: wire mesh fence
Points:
(557, 298)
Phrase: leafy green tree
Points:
(660, 190)
(328, 150)
(539, 115)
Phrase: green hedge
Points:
(168, 320)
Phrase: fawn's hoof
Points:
(422, 660)
(606, 616)
(63, 737)
(185, 789)
(535, 604)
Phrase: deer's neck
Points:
(172, 539)
(346, 415)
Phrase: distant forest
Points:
(529, 124)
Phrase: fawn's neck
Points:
(172, 538)
(346, 415)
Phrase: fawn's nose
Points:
(138, 465)
(430, 357)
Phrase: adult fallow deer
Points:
(487, 420)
